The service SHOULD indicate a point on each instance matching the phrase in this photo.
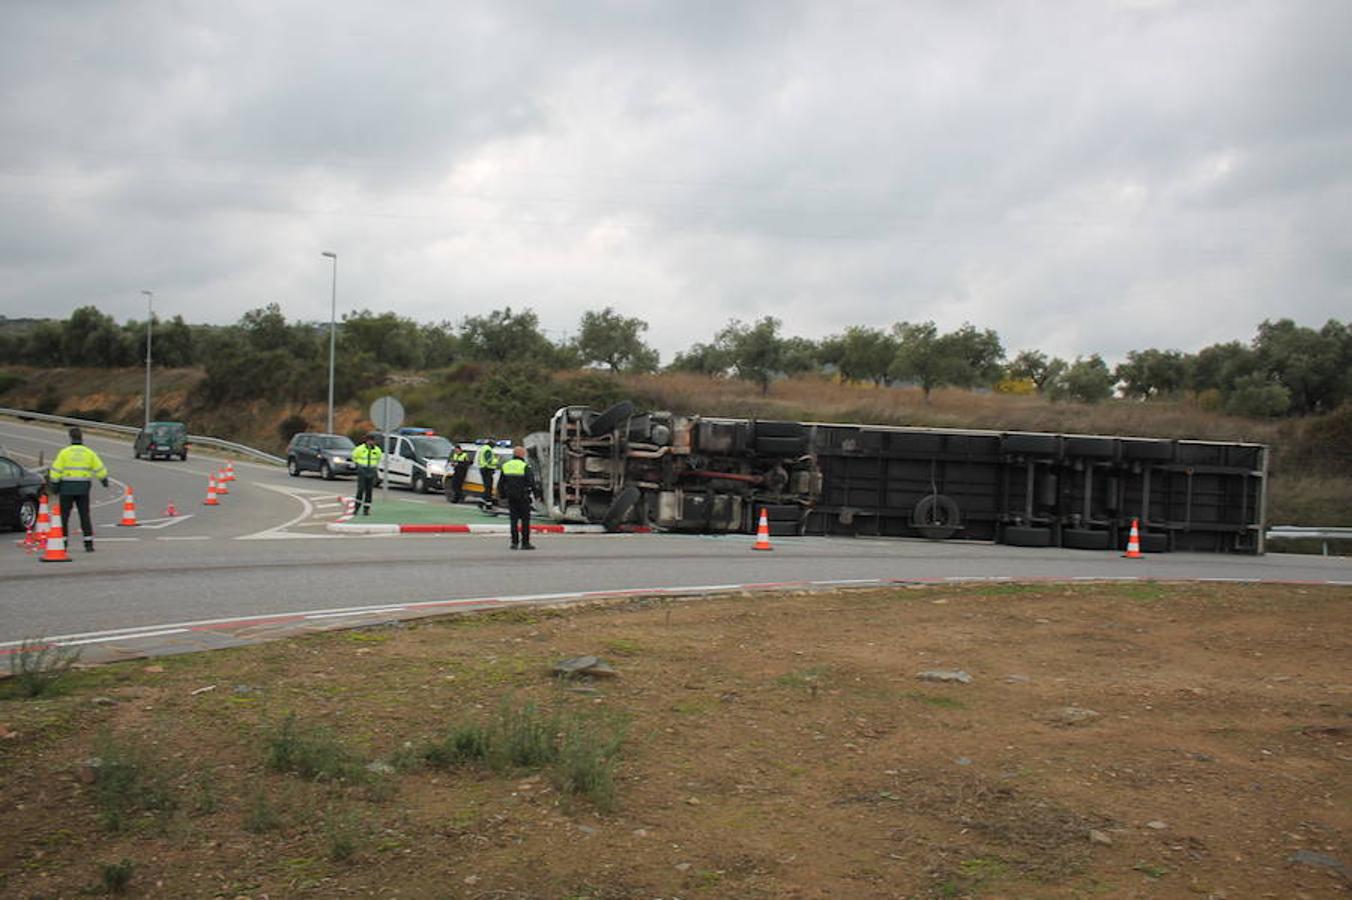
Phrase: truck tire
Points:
(936, 517)
(1026, 536)
(608, 421)
(1084, 539)
(620, 507)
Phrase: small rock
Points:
(103, 701)
(583, 690)
(1156, 824)
(204, 690)
(380, 767)
(243, 689)
(1017, 679)
(963, 761)
(471, 879)
(153, 670)
(88, 770)
(682, 867)
(1321, 860)
(640, 832)
(1099, 837)
(1071, 715)
(692, 801)
(574, 665)
(6, 733)
(945, 676)
(586, 829)
(1203, 757)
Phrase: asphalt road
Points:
(265, 551)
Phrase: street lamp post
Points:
(150, 318)
(333, 314)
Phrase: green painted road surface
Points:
(431, 509)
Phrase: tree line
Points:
(1287, 369)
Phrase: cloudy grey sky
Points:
(1080, 176)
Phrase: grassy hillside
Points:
(1311, 472)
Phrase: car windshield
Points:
(432, 447)
(335, 442)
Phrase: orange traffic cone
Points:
(211, 492)
(221, 489)
(129, 509)
(44, 521)
(1134, 542)
(229, 470)
(763, 533)
(170, 511)
(56, 541)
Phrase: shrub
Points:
(260, 816)
(292, 424)
(9, 381)
(38, 667)
(586, 761)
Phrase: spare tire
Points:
(609, 420)
(936, 517)
(620, 507)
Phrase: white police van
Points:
(417, 459)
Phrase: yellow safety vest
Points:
(514, 466)
(77, 463)
(487, 458)
(367, 456)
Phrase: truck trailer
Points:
(689, 473)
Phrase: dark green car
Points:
(164, 439)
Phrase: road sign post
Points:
(388, 414)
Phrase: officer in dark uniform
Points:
(517, 485)
(460, 459)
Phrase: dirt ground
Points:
(1122, 740)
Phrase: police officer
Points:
(487, 461)
(460, 459)
(71, 472)
(518, 486)
(367, 460)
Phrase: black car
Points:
(19, 490)
(327, 454)
(162, 439)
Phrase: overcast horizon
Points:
(1080, 177)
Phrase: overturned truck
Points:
(622, 467)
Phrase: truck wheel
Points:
(619, 507)
(936, 517)
(609, 420)
(1084, 539)
(1025, 536)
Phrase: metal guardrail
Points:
(202, 439)
(1322, 533)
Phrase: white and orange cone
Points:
(129, 509)
(44, 521)
(56, 541)
(1134, 542)
(211, 492)
(229, 470)
(221, 489)
(762, 533)
(170, 510)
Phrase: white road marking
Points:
(277, 531)
(186, 537)
(125, 637)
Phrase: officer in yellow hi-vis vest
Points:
(518, 486)
(71, 473)
(487, 461)
(455, 488)
(367, 460)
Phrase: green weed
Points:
(127, 782)
(586, 761)
(311, 752)
(624, 647)
(117, 876)
(260, 816)
(342, 830)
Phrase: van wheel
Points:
(183, 456)
(419, 484)
(292, 467)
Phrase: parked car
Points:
(164, 439)
(328, 454)
(418, 462)
(19, 490)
